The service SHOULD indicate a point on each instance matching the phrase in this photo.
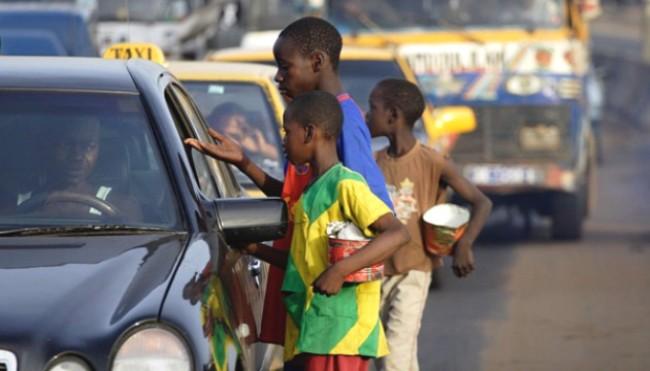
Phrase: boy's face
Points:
(296, 73)
(296, 142)
(378, 115)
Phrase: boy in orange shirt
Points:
(414, 174)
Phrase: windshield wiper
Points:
(87, 229)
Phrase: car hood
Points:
(80, 292)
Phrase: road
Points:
(534, 304)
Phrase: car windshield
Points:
(242, 111)
(381, 15)
(69, 28)
(143, 10)
(73, 158)
(36, 43)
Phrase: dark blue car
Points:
(115, 237)
(44, 31)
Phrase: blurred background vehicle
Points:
(44, 29)
(360, 69)
(182, 28)
(522, 67)
(240, 100)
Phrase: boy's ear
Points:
(318, 60)
(309, 133)
(394, 115)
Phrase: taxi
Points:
(116, 249)
(360, 69)
(240, 100)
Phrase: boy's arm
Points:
(481, 206)
(229, 151)
(391, 235)
(267, 253)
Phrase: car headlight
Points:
(68, 363)
(524, 85)
(152, 349)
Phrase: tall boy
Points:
(307, 55)
(330, 326)
(414, 174)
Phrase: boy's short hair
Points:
(318, 108)
(311, 34)
(403, 95)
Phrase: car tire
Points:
(567, 215)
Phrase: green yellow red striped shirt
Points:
(347, 323)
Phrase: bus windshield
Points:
(406, 15)
(143, 10)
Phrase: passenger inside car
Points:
(83, 176)
(231, 119)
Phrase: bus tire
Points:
(567, 215)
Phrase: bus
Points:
(522, 66)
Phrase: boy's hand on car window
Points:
(329, 282)
(463, 263)
(226, 150)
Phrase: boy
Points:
(330, 326)
(307, 55)
(414, 174)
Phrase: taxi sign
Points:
(146, 51)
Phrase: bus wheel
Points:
(567, 215)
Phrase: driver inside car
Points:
(68, 188)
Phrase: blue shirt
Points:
(354, 148)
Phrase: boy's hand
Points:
(463, 263)
(227, 150)
(329, 282)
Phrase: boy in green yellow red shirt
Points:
(330, 325)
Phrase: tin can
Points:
(444, 225)
(341, 249)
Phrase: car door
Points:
(238, 283)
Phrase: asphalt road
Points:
(534, 304)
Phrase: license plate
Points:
(502, 175)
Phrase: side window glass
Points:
(220, 171)
(184, 127)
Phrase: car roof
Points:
(221, 70)
(266, 54)
(69, 73)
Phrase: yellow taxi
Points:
(360, 69)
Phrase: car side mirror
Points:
(248, 220)
(451, 120)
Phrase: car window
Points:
(211, 169)
(80, 158)
(242, 111)
(183, 117)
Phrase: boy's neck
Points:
(331, 83)
(401, 142)
(324, 158)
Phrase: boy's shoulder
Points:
(433, 154)
(345, 173)
(422, 153)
